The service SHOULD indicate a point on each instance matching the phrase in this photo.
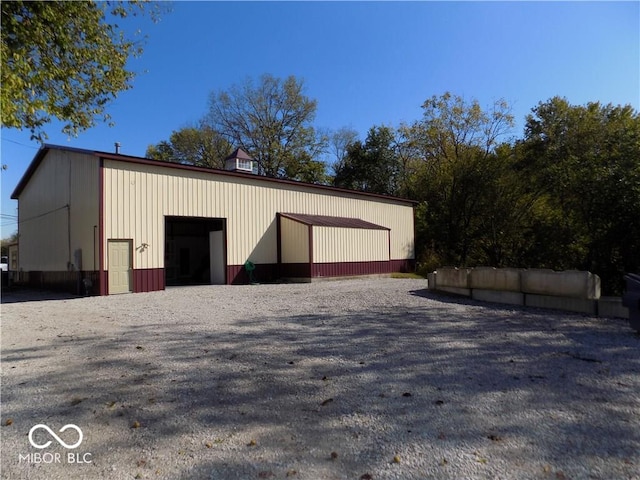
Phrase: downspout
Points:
(95, 239)
(69, 264)
(102, 276)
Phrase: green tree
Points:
(199, 146)
(63, 60)
(455, 144)
(272, 121)
(586, 160)
(339, 141)
(5, 242)
(371, 166)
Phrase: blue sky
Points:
(366, 63)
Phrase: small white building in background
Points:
(128, 224)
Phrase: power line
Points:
(43, 214)
(18, 143)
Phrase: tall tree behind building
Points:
(272, 119)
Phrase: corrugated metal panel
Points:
(294, 241)
(338, 245)
(348, 269)
(58, 209)
(249, 205)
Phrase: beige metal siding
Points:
(332, 244)
(138, 197)
(294, 241)
(58, 210)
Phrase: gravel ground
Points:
(357, 379)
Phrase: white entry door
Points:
(120, 268)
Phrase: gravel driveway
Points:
(355, 379)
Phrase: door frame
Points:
(129, 241)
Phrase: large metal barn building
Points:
(110, 223)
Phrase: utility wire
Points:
(43, 214)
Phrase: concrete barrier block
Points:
(570, 304)
(612, 307)
(489, 278)
(466, 292)
(495, 296)
(431, 280)
(571, 283)
(453, 277)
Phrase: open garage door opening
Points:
(195, 251)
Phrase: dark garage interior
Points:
(193, 256)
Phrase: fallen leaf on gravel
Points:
(334, 455)
(291, 473)
(138, 475)
(141, 463)
(406, 394)
(396, 459)
(252, 443)
(208, 445)
(444, 462)
(8, 422)
(328, 400)
(366, 476)
(135, 424)
(111, 404)
(482, 460)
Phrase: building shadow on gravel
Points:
(23, 294)
(458, 392)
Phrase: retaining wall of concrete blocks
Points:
(572, 290)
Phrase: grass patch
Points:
(406, 275)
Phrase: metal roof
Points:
(33, 166)
(327, 221)
(239, 153)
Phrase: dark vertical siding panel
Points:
(148, 280)
(348, 269)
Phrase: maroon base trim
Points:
(264, 272)
(403, 266)
(348, 269)
(148, 280)
(236, 274)
(153, 279)
(61, 281)
(295, 270)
